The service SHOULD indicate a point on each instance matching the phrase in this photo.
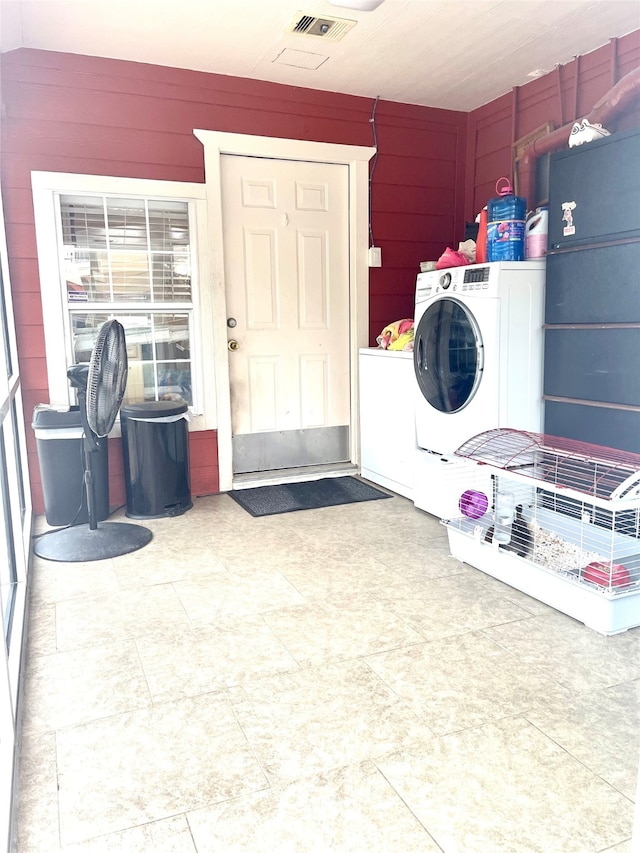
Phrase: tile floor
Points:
(328, 680)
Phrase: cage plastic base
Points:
(80, 544)
(606, 614)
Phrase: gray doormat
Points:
(291, 497)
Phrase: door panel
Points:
(594, 285)
(619, 428)
(314, 389)
(260, 281)
(264, 390)
(593, 364)
(601, 181)
(287, 287)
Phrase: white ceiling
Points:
(456, 54)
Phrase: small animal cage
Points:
(560, 522)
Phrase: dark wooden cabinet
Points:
(598, 285)
(592, 299)
(600, 181)
(593, 364)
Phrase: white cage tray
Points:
(605, 612)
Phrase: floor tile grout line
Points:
(364, 658)
(579, 760)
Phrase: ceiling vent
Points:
(329, 28)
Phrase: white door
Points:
(286, 249)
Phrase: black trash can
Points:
(61, 459)
(155, 450)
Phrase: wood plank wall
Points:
(436, 168)
(564, 94)
(69, 113)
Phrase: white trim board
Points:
(57, 341)
(357, 159)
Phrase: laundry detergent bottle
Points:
(535, 233)
(506, 216)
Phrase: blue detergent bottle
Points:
(506, 216)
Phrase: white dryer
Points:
(478, 354)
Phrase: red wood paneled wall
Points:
(69, 113)
(566, 93)
(435, 168)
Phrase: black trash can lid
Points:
(153, 409)
(44, 417)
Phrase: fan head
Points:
(107, 378)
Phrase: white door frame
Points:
(357, 158)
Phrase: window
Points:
(15, 535)
(130, 259)
(133, 251)
(4, 321)
(9, 571)
(19, 452)
(15, 508)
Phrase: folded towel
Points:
(397, 336)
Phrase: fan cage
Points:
(107, 379)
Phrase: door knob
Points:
(232, 345)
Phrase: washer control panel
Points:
(455, 280)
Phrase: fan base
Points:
(80, 544)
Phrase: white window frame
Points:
(11, 660)
(356, 157)
(46, 187)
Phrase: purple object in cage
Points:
(473, 504)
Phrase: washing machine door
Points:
(448, 355)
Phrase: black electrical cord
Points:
(372, 165)
(74, 521)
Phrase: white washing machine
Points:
(478, 361)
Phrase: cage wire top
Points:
(589, 469)
(107, 378)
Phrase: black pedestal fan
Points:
(100, 386)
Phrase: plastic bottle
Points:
(481, 242)
(535, 233)
(505, 224)
(505, 513)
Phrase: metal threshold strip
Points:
(293, 475)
